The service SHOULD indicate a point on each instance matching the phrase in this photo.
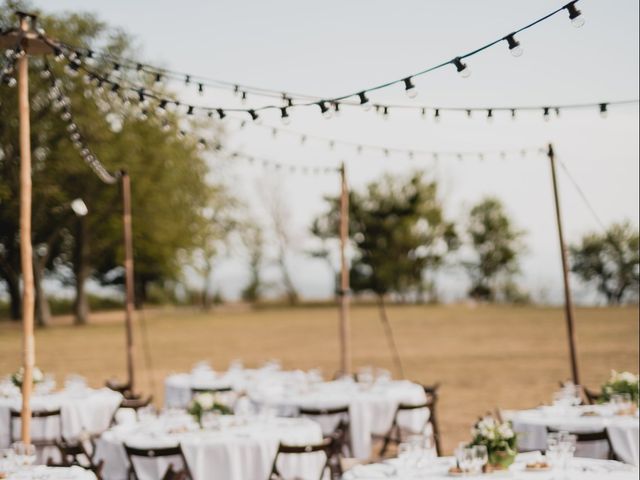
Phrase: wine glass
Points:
(480, 457)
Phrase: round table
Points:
(83, 411)
(178, 386)
(579, 469)
(239, 449)
(623, 430)
(51, 473)
(371, 407)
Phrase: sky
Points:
(335, 47)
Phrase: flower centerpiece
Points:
(621, 383)
(500, 440)
(18, 377)
(206, 402)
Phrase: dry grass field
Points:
(485, 357)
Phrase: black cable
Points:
(586, 201)
(455, 61)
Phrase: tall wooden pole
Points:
(568, 302)
(345, 324)
(128, 271)
(26, 250)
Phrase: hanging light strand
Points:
(310, 100)
(61, 102)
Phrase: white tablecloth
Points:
(579, 469)
(242, 449)
(177, 393)
(371, 408)
(623, 430)
(86, 411)
(50, 473)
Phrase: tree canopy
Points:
(398, 231)
(496, 245)
(168, 173)
(610, 261)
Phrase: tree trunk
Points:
(81, 271)
(395, 356)
(140, 289)
(43, 312)
(15, 296)
(290, 289)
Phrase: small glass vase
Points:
(501, 459)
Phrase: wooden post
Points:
(26, 249)
(345, 326)
(129, 279)
(568, 302)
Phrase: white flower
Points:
(505, 431)
(205, 400)
(628, 377)
(38, 376)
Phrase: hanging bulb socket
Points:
(324, 109)
(284, 116)
(603, 110)
(410, 88)
(254, 115)
(190, 110)
(514, 45)
(436, 115)
(200, 88)
(545, 113)
(221, 113)
(461, 67)
(575, 15)
(490, 115)
(158, 78)
(364, 100)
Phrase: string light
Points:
(462, 67)
(326, 111)
(489, 115)
(545, 114)
(410, 88)
(575, 15)
(221, 113)
(603, 110)
(364, 101)
(514, 45)
(284, 116)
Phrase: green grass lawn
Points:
(485, 357)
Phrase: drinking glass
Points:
(480, 457)
(24, 454)
(211, 420)
(404, 453)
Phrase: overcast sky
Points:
(334, 47)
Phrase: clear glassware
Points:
(24, 454)
(404, 453)
(480, 457)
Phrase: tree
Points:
(253, 239)
(398, 231)
(497, 245)
(610, 261)
(283, 238)
(168, 173)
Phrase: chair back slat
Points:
(154, 453)
(283, 449)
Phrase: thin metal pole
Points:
(128, 270)
(568, 302)
(26, 250)
(345, 323)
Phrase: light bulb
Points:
(575, 15)
(364, 101)
(462, 67)
(11, 82)
(603, 110)
(578, 21)
(514, 45)
(436, 115)
(410, 88)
